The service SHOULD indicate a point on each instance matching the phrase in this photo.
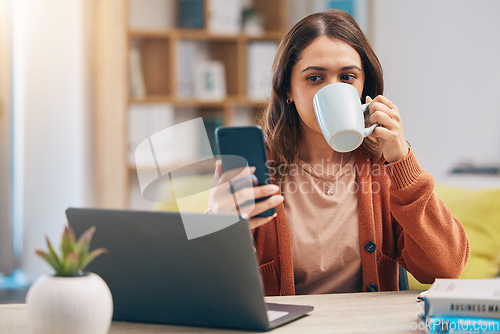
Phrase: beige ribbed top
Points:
(324, 229)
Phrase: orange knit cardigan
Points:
(401, 220)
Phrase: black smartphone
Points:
(246, 142)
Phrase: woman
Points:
(343, 221)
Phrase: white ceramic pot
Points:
(64, 305)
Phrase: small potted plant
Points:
(252, 21)
(71, 300)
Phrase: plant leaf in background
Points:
(74, 255)
(83, 244)
(71, 265)
(67, 242)
(91, 257)
(53, 254)
(49, 259)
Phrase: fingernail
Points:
(272, 217)
(278, 199)
(272, 188)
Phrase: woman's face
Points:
(324, 61)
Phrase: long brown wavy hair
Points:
(280, 121)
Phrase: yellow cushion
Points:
(479, 211)
(197, 190)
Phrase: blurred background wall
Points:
(441, 65)
(50, 112)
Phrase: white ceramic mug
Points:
(340, 116)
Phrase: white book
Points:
(137, 129)
(260, 61)
(137, 85)
(161, 117)
(189, 54)
(464, 297)
(186, 55)
(178, 146)
(144, 122)
(152, 14)
(224, 17)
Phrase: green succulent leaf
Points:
(52, 252)
(74, 255)
(83, 244)
(95, 253)
(52, 261)
(67, 242)
(71, 265)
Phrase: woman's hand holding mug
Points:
(390, 131)
(339, 113)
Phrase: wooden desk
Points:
(375, 312)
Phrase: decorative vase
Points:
(253, 25)
(63, 305)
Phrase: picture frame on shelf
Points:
(210, 81)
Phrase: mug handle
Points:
(368, 131)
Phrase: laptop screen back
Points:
(156, 275)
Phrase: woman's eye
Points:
(347, 77)
(314, 78)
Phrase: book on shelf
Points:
(188, 52)
(463, 298)
(160, 139)
(259, 68)
(191, 14)
(151, 14)
(458, 325)
(144, 121)
(137, 85)
(224, 17)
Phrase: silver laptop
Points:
(157, 275)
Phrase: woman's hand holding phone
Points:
(238, 187)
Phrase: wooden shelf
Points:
(232, 102)
(156, 34)
(199, 34)
(158, 53)
(152, 99)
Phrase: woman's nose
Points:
(329, 82)
(332, 80)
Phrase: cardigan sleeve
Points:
(431, 242)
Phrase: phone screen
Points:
(246, 142)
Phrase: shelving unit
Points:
(113, 39)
